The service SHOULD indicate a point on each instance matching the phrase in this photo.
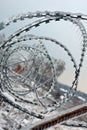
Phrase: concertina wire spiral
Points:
(29, 72)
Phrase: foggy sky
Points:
(9, 8)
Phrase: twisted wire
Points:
(40, 14)
(47, 17)
(13, 91)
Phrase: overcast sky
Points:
(14, 7)
(10, 7)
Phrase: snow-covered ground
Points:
(13, 119)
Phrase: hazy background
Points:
(65, 32)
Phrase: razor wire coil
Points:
(9, 48)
